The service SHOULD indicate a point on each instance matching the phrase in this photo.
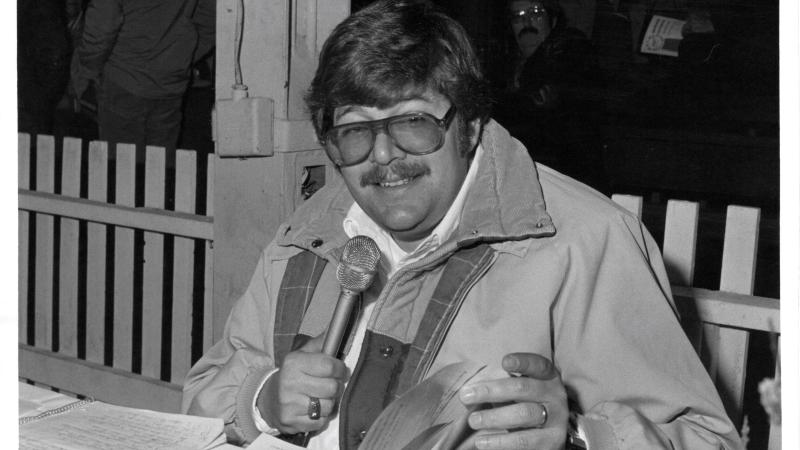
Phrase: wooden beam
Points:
(150, 219)
(105, 383)
(728, 309)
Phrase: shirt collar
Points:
(357, 222)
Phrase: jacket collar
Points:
(505, 204)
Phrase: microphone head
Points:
(359, 263)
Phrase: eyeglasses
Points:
(415, 133)
(533, 12)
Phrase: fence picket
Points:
(739, 250)
(680, 241)
(68, 259)
(45, 182)
(123, 259)
(183, 269)
(632, 203)
(737, 275)
(23, 221)
(153, 270)
(208, 297)
(96, 246)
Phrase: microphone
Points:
(355, 273)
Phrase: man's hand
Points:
(305, 373)
(529, 409)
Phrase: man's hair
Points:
(392, 51)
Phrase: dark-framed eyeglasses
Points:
(533, 12)
(416, 133)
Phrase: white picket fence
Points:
(83, 253)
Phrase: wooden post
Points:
(252, 196)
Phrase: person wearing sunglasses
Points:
(532, 22)
(553, 100)
(486, 260)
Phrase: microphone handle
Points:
(335, 333)
(338, 326)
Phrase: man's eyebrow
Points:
(339, 112)
(342, 110)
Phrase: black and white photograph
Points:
(403, 224)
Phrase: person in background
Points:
(136, 57)
(554, 101)
(485, 258)
(42, 63)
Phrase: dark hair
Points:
(391, 51)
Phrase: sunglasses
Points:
(532, 12)
(416, 133)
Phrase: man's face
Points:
(407, 195)
(530, 23)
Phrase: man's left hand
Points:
(529, 409)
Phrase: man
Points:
(42, 63)
(554, 100)
(137, 56)
(483, 260)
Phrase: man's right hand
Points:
(305, 373)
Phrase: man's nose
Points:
(384, 151)
(531, 19)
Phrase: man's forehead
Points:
(422, 98)
(516, 5)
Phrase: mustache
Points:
(528, 29)
(401, 169)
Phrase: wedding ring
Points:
(544, 414)
(314, 408)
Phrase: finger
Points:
(314, 364)
(516, 389)
(530, 365)
(516, 415)
(314, 344)
(517, 440)
(295, 414)
(298, 408)
(315, 387)
(469, 442)
(326, 406)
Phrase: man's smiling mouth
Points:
(398, 175)
(391, 184)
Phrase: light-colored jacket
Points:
(574, 278)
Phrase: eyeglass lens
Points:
(532, 12)
(413, 133)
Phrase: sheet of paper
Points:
(35, 400)
(102, 426)
(663, 36)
